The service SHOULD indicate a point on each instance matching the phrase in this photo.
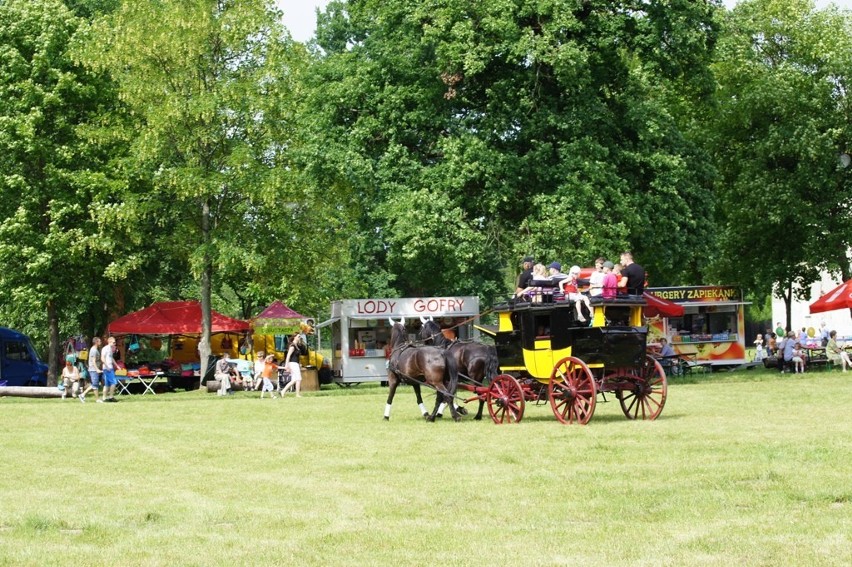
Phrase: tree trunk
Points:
(30, 392)
(788, 305)
(206, 275)
(53, 348)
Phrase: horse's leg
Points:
(478, 416)
(393, 382)
(420, 404)
(438, 406)
(449, 400)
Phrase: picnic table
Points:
(146, 378)
(815, 355)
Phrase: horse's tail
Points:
(451, 372)
(492, 366)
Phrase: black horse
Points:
(420, 365)
(475, 361)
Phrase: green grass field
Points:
(750, 468)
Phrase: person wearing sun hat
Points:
(526, 276)
(70, 376)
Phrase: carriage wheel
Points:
(647, 395)
(572, 391)
(505, 399)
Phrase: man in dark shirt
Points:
(526, 276)
(634, 273)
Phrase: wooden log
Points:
(213, 386)
(30, 391)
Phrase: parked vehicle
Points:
(19, 362)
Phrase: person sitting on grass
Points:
(70, 377)
(224, 374)
(835, 353)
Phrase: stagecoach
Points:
(547, 355)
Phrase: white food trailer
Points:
(360, 330)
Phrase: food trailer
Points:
(712, 329)
(360, 330)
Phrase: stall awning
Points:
(173, 318)
(659, 307)
(327, 323)
(277, 318)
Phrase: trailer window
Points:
(16, 350)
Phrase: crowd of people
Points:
(539, 283)
(788, 347)
(101, 367)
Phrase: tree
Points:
(211, 85)
(49, 173)
(783, 120)
(475, 133)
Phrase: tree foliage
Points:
(783, 121)
(539, 127)
(211, 84)
(50, 174)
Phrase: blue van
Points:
(19, 363)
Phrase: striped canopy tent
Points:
(277, 319)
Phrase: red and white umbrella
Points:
(838, 298)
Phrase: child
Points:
(257, 375)
(760, 352)
(798, 359)
(569, 288)
(610, 281)
(269, 367)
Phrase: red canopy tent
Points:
(173, 318)
(657, 306)
(838, 298)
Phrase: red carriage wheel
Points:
(505, 399)
(646, 395)
(572, 391)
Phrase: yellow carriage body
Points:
(532, 338)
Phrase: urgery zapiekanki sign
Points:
(699, 294)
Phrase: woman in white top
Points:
(291, 363)
(70, 377)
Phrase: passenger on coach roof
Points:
(620, 279)
(610, 281)
(596, 279)
(572, 292)
(539, 286)
(525, 279)
(556, 276)
(635, 274)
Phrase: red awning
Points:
(173, 318)
(838, 298)
(659, 307)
